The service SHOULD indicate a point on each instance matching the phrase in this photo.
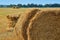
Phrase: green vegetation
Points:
(29, 5)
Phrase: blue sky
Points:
(6, 2)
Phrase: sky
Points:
(7, 2)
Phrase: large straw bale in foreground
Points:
(39, 25)
(23, 22)
(45, 25)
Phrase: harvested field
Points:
(33, 24)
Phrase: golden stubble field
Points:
(4, 34)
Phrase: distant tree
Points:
(35, 5)
(40, 5)
(55, 5)
(52, 5)
(19, 5)
(24, 5)
(28, 5)
(46, 5)
(32, 5)
(1, 5)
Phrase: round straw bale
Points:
(23, 22)
(45, 25)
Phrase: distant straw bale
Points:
(12, 20)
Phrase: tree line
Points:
(30, 5)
